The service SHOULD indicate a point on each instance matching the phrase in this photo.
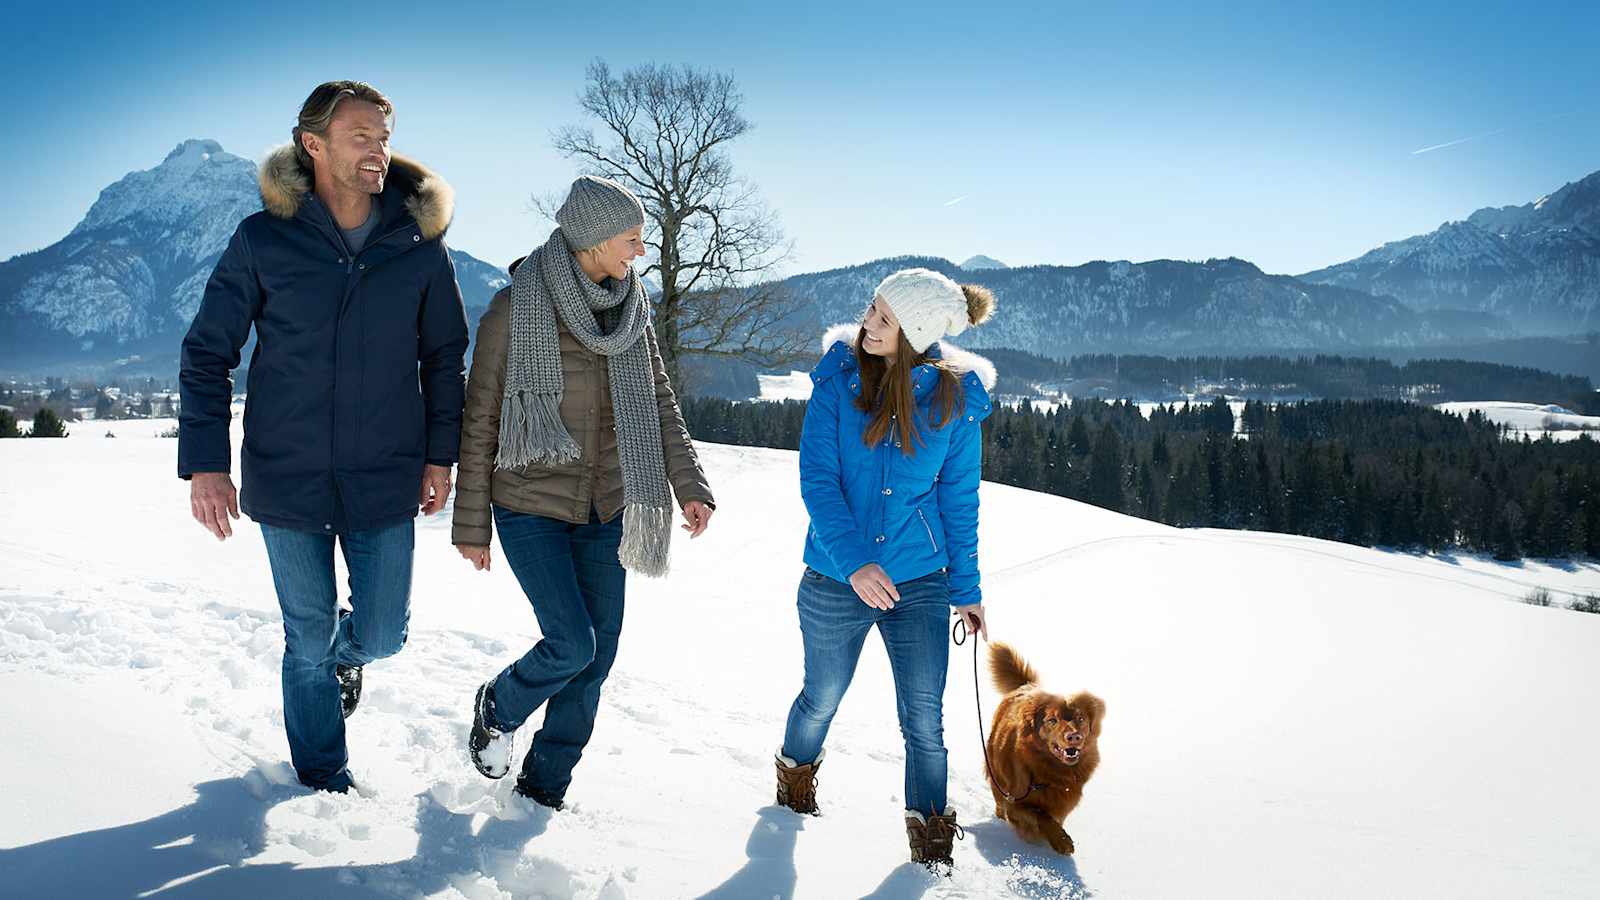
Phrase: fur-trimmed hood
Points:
(962, 361)
(430, 199)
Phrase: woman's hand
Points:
(480, 557)
(873, 586)
(698, 516)
(972, 617)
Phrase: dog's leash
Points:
(959, 634)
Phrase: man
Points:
(349, 286)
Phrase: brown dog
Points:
(1042, 749)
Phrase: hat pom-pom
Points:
(980, 303)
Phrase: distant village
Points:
(85, 400)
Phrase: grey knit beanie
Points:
(597, 210)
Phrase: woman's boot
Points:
(932, 837)
(797, 784)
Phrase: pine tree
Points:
(1536, 514)
(1160, 456)
(1577, 532)
(1218, 496)
(1219, 417)
(1149, 503)
(8, 424)
(1078, 436)
(46, 424)
(1181, 503)
(1507, 528)
(1105, 470)
(1435, 522)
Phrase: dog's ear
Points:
(1035, 721)
(1097, 710)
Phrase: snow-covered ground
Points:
(1531, 419)
(793, 386)
(1287, 717)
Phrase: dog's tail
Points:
(1008, 669)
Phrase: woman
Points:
(890, 458)
(569, 443)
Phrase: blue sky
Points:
(1072, 131)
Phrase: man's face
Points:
(355, 151)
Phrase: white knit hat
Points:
(928, 305)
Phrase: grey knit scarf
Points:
(611, 319)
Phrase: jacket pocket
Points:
(928, 528)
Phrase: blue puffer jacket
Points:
(357, 376)
(912, 515)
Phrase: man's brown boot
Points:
(797, 784)
(932, 837)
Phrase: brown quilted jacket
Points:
(557, 491)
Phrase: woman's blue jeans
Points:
(575, 583)
(834, 625)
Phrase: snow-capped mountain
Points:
(1538, 264)
(1162, 306)
(129, 277)
(983, 262)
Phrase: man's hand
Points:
(873, 586)
(435, 489)
(212, 499)
(697, 516)
(480, 557)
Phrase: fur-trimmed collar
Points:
(962, 361)
(429, 198)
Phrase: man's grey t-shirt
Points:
(357, 237)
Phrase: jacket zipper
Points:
(928, 529)
(349, 288)
(337, 238)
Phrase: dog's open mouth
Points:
(1068, 755)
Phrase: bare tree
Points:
(664, 133)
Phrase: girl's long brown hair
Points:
(886, 393)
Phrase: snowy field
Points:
(1531, 419)
(793, 386)
(1287, 717)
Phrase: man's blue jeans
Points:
(316, 637)
(575, 582)
(834, 625)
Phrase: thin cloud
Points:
(1479, 137)
(1458, 141)
(955, 201)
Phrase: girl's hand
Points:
(873, 586)
(972, 617)
(480, 557)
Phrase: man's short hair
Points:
(317, 112)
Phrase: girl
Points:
(890, 458)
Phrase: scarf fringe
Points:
(531, 431)
(646, 539)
